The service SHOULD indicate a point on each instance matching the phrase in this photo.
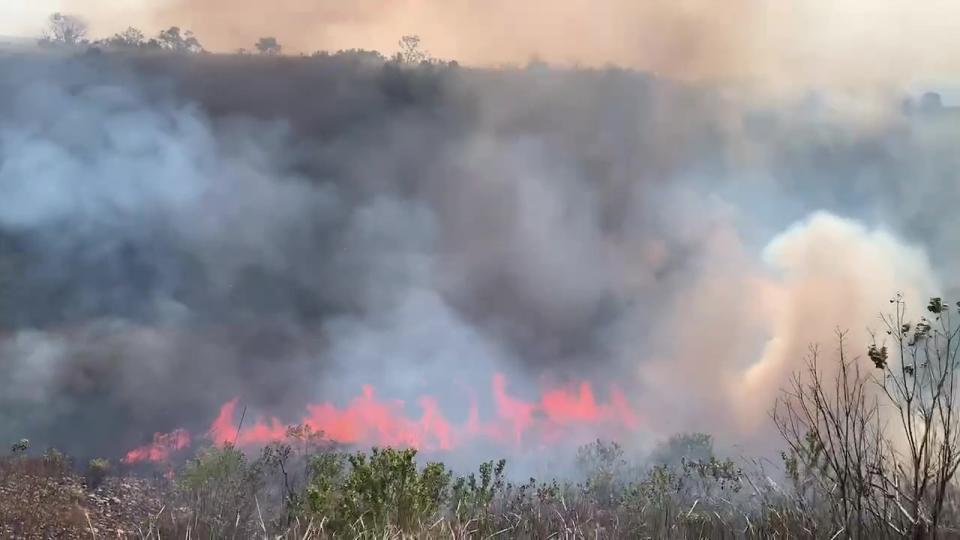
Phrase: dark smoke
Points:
(177, 231)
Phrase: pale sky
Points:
(832, 42)
(27, 17)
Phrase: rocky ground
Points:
(38, 501)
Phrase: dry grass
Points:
(41, 500)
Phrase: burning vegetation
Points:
(280, 296)
(561, 416)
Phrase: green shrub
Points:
(55, 462)
(20, 447)
(377, 493)
(603, 470)
(97, 471)
(223, 488)
(473, 495)
(386, 489)
(324, 493)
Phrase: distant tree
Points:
(683, 447)
(131, 38)
(410, 51)
(63, 29)
(269, 46)
(174, 39)
(361, 54)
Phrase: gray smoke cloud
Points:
(178, 231)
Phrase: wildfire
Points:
(368, 420)
(163, 445)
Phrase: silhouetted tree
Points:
(921, 379)
(894, 472)
(360, 54)
(832, 425)
(130, 38)
(65, 30)
(269, 46)
(410, 51)
(173, 39)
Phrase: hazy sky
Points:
(26, 17)
(810, 41)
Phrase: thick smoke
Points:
(179, 231)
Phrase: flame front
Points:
(163, 445)
(560, 414)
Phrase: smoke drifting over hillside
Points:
(177, 232)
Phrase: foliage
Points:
(354, 55)
(921, 383)
(473, 495)
(131, 38)
(72, 31)
(176, 40)
(97, 471)
(222, 486)
(384, 493)
(604, 469)
(293, 460)
(68, 30)
(835, 439)
(385, 489)
(410, 51)
(327, 473)
(20, 447)
(683, 446)
(55, 461)
(268, 46)
(877, 452)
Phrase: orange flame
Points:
(158, 451)
(559, 413)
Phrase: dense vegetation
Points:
(71, 31)
(304, 488)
